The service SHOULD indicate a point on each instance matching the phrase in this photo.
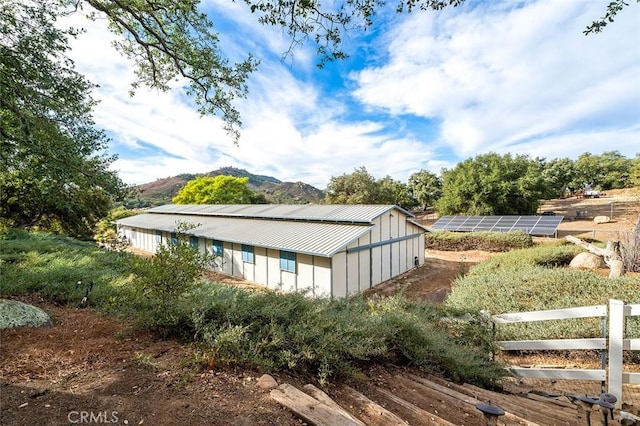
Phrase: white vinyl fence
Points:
(612, 346)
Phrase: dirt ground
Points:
(88, 368)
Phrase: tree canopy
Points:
(360, 187)
(220, 189)
(425, 187)
(492, 184)
(54, 169)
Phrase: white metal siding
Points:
(339, 274)
(353, 272)
(322, 275)
(273, 263)
(237, 265)
(259, 267)
(305, 269)
(288, 279)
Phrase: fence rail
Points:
(612, 344)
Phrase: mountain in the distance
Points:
(275, 191)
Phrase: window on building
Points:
(216, 248)
(174, 238)
(193, 241)
(133, 234)
(288, 261)
(247, 253)
(159, 237)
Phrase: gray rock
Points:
(18, 314)
(587, 260)
(267, 382)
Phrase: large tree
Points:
(360, 187)
(561, 177)
(492, 184)
(220, 189)
(54, 167)
(609, 170)
(395, 192)
(425, 187)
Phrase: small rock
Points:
(601, 219)
(267, 382)
(587, 261)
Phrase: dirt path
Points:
(432, 281)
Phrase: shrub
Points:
(489, 241)
(52, 266)
(329, 338)
(528, 280)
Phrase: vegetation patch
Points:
(326, 337)
(489, 241)
(530, 280)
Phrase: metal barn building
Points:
(334, 250)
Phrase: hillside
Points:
(163, 190)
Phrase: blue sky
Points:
(423, 91)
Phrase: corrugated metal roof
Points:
(363, 213)
(315, 238)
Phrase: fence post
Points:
(616, 336)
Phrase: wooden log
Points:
(468, 399)
(550, 400)
(374, 412)
(534, 410)
(585, 245)
(309, 409)
(611, 254)
(430, 418)
(326, 399)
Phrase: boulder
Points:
(267, 382)
(18, 314)
(587, 261)
(601, 219)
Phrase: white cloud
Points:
(494, 78)
(499, 77)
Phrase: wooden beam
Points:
(376, 415)
(464, 397)
(326, 399)
(309, 409)
(429, 417)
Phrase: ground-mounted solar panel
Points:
(532, 225)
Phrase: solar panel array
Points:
(532, 225)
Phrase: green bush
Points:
(489, 241)
(328, 338)
(529, 280)
(52, 266)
